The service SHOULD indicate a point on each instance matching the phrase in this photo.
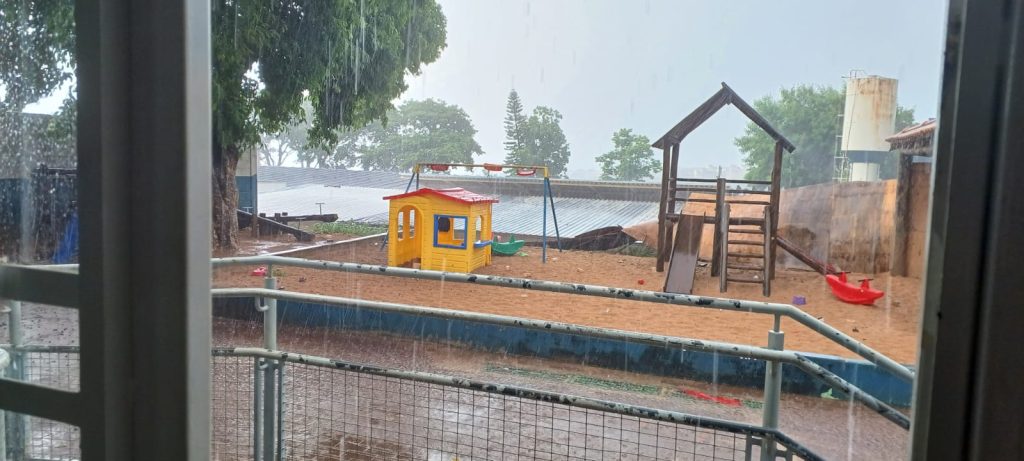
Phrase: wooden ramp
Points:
(685, 247)
(269, 226)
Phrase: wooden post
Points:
(772, 229)
(901, 220)
(662, 218)
(716, 253)
(722, 251)
(670, 207)
(766, 287)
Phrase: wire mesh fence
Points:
(341, 415)
(231, 408)
(328, 413)
(42, 438)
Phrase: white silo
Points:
(868, 118)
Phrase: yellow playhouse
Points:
(440, 229)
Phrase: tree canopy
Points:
(808, 116)
(36, 59)
(537, 139)
(631, 158)
(348, 58)
(418, 131)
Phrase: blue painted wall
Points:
(599, 352)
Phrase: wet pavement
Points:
(342, 414)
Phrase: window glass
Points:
(38, 214)
(752, 154)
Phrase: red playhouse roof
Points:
(456, 193)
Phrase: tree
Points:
(36, 59)
(278, 147)
(631, 159)
(350, 58)
(544, 142)
(808, 116)
(514, 124)
(419, 131)
(293, 139)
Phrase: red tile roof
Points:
(456, 193)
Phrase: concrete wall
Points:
(850, 225)
(917, 228)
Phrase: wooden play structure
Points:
(548, 200)
(440, 229)
(679, 249)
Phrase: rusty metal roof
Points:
(457, 194)
(915, 139)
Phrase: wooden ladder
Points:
(732, 270)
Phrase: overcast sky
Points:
(644, 64)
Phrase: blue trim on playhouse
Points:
(640, 358)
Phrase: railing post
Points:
(772, 390)
(257, 410)
(19, 423)
(270, 404)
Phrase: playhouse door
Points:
(409, 240)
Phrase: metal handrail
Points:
(706, 302)
(738, 350)
(525, 393)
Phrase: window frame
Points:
(465, 221)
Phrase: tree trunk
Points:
(225, 197)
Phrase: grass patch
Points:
(634, 249)
(354, 228)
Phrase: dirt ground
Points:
(266, 244)
(891, 326)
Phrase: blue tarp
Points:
(67, 248)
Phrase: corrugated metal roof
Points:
(512, 214)
(456, 193)
(293, 177)
(350, 203)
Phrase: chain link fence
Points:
(351, 413)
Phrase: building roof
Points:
(457, 194)
(915, 139)
(581, 206)
(294, 176)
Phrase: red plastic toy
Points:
(850, 293)
(259, 272)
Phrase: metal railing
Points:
(706, 302)
(334, 410)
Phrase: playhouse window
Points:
(450, 231)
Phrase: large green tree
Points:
(349, 58)
(418, 131)
(631, 158)
(808, 116)
(543, 142)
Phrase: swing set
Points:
(518, 170)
